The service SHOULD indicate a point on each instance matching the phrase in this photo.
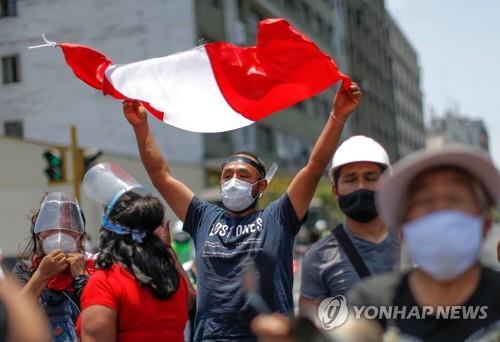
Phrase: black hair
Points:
(150, 262)
(31, 247)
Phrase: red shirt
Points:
(141, 316)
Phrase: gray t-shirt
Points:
(327, 271)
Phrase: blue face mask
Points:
(444, 244)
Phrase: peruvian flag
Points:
(218, 86)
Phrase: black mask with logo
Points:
(359, 205)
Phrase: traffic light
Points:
(55, 165)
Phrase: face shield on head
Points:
(105, 183)
(61, 218)
(59, 210)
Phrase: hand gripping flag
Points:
(218, 86)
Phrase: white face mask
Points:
(444, 244)
(237, 194)
(60, 241)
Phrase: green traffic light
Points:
(54, 170)
(55, 161)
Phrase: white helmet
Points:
(359, 148)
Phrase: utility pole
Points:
(77, 158)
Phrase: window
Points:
(10, 69)
(324, 110)
(316, 22)
(13, 128)
(359, 17)
(329, 34)
(290, 4)
(241, 10)
(216, 3)
(8, 8)
(253, 20)
(310, 107)
(265, 140)
(300, 106)
(306, 14)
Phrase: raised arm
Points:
(303, 186)
(176, 194)
(25, 319)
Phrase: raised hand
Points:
(346, 101)
(52, 264)
(77, 264)
(135, 112)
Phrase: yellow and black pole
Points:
(77, 157)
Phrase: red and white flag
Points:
(218, 86)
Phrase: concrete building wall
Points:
(49, 98)
(23, 182)
(369, 66)
(406, 91)
(453, 129)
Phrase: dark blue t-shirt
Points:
(222, 243)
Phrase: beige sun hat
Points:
(392, 188)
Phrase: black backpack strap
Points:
(349, 249)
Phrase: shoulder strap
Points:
(349, 249)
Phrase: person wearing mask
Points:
(137, 292)
(360, 247)
(54, 266)
(439, 201)
(224, 237)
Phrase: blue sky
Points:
(458, 43)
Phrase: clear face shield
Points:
(59, 224)
(105, 183)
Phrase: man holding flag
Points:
(224, 238)
(232, 87)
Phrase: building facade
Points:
(40, 96)
(455, 129)
(405, 70)
(286, 137)
(370, 66)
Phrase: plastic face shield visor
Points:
(59, 211)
